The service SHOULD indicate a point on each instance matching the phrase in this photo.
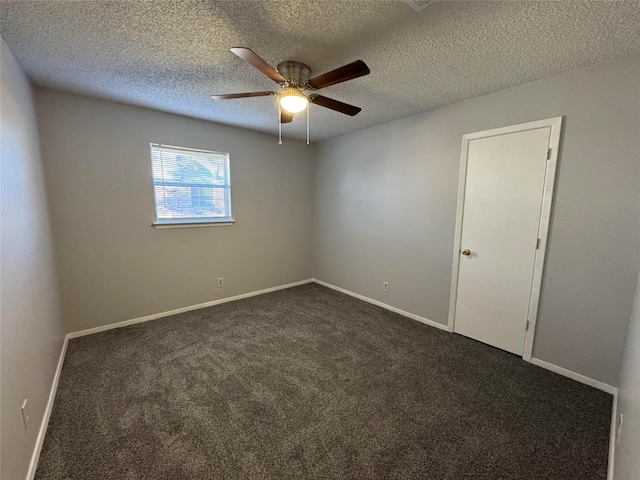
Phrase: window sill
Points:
(178, 224)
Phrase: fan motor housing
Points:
(296, 72)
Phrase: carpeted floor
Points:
(308, 383)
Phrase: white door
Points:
(502, 204)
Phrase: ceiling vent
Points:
(418, 5)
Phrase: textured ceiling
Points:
(172, 55)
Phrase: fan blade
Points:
(229, 96)
(285, 117)
(334, 105)
(251, 58)
(342, 74)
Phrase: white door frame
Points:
(543, 229)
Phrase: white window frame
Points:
(195, 221)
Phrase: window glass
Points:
(190, 186)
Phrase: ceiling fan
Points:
(294, 78)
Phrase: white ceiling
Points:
(172, 55)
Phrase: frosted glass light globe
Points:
(294, 103)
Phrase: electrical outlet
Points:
(220, 282)
(619, 429)
(385, 286)
(25, 414)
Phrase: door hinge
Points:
(537, 244)
(549, 154)
(527, 327)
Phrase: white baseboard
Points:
(33, 465)
(576, 376)
(412, 316)
(612, 437)
(155, 316)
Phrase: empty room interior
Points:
(291, 239)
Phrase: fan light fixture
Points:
(295, 77)
(293, 101)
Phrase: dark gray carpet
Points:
(309, 383)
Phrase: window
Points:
(191, 187)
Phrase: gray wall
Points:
(113, 265)
(627, 462)
(30, 323)
(385, 208)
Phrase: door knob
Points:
(466, 251)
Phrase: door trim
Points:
(555, 124)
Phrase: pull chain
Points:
(279, 124)
(308, 124)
